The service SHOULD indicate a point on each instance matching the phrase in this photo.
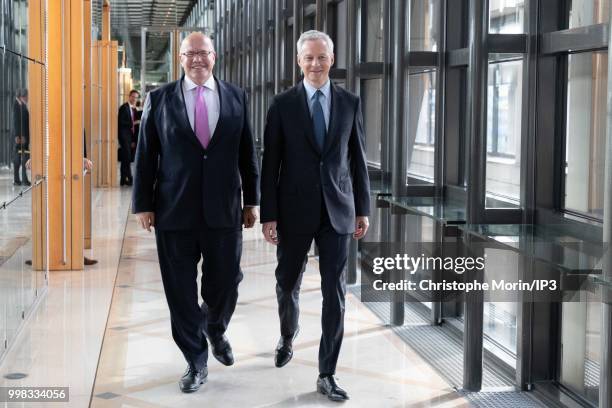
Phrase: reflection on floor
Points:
(61, 342)
(20, 285)
(134, 361)
(140, 365)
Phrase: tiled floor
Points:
(60, 344)
(131, 361)
(140, 365)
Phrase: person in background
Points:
(137, 116)
(127, 129)
(21, 126)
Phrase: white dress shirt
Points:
(211, 96)
(325, 99)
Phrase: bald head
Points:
(196, 37)
(198, 57)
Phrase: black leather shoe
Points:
(88, 261)
(26, 183)
(193, 379)
(16, 183)
(222, 350)
(284, 349)
(328, 385)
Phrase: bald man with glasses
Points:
(195, 168)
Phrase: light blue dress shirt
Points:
(325, 99)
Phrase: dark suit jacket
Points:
(124, 132)
(191, 185)
(296, 175)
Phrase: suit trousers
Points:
(179, 253)
(19, 162)
(125, 158)
(292, 257)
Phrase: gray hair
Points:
(313, 35)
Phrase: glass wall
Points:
(424, 25)
(371, 91)
(580, 346)
(585, 136)
(22, 110)
(420, 97)
(504, 104)
(506, 16)
(551, 98)
(588, 12)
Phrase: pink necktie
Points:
(201, 118)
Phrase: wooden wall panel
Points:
(87, 182)
(96, 125)
(108, 99)
(37, 105)
(65, 99)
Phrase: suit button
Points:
(321, 164)
(205, 157)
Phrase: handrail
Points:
(5, 204)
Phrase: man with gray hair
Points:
(314, 186)
(195, 157)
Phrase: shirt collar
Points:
(210, 84)
(310, 90)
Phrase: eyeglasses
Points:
(193, 54)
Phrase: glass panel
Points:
(500, 317)
(424, 25)
(420, 125)
(340, 46)
(504, 103)
(372, 115)
(507, 16)
(373, 36)
(587, 84)
(588, 12)
(580, 346)
(18, 281)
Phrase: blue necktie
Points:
(318, 120)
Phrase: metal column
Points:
(278, 55)
(477, 116)
(298, 19)
(321, 14)
(351, 85)
(605, 374)
(398, 174)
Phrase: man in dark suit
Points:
(195, 156)
(314, 186)
(21, 126)
(126, 131)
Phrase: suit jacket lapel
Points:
(177, 100)
(224, 113)
(304, 116)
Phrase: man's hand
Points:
(87, 164)
(146, 220)
(17, 139)
(361, 227)
(133, 145)
(269, 232)
(249, 216)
